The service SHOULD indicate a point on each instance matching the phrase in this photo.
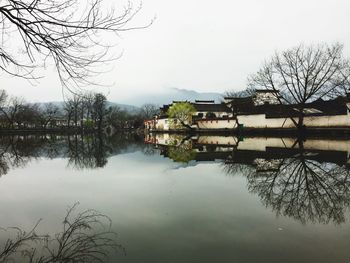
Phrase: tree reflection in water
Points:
(81, 151)
(302, 185)
(182, 153)
(87, 152)
(309, 184)
(85, 237)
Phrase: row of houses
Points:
(262, 110)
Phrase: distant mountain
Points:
(133, 104)
(173, 94)
(126, 107)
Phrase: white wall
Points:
(260, 121)
(216, 124)
(162, 124)
(217, 114)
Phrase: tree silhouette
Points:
(300, 186)
(85, 237)
(69, 33)
(304, 74)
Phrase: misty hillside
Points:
(171, 94)
(133, 105)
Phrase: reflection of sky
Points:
(193, 214)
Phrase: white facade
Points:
(259, 121)
(225, 119)
(216, 124)
(162, 124)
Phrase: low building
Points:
(205, 110)
(263, 110)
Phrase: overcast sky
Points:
(205, 45)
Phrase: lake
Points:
(176, 198)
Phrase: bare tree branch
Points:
(69, 33)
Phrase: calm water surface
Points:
(181, 200)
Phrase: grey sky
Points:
(205, 45)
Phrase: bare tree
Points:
(48, 113)
(240, 93)
(148, 110)
(304, 74)
(69, 33)
(85, 237)
(28, 115)
(305, 189)
(72, 108)
(10, 108)
(99, 109)
(88, 100)
(117, 117)
(300, 184)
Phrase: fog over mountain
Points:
(171, 94)
(133, 104)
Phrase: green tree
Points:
(182, 112)
(180, 150)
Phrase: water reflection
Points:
(305, 180)
(86, 236)
(81, 151)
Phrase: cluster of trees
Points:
(16, 113)
(119, 118)
(78, 110)
(84, 111)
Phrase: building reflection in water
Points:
(306, 180)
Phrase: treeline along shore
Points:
(86, 112)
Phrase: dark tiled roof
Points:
(266, 91)
(245, 105)
(205, 101)
(211, 107)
